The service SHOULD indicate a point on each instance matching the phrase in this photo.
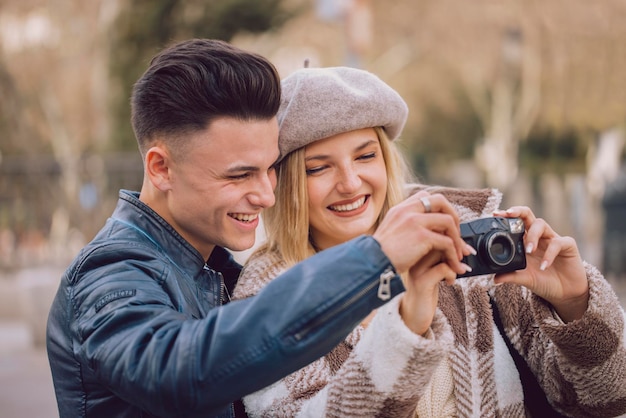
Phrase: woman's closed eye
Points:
(320, 168)
(368, 156)
(315, 170)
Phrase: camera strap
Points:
(535, 398)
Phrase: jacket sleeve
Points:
(136, 343)
(385, 373)
(581, 364)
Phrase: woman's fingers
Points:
(419, 302)
(538, 233)
(436, 202)
(443, 244)
(431, 268)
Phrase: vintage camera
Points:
(499, 245)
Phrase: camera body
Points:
(499, 245)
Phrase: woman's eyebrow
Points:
(365, 144)
(317, 157)
(326, 156)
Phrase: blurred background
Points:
(525, 96)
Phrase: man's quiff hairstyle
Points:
(191, 83)
(287, 222)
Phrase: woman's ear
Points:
(157, 162)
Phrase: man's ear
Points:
(158, 167)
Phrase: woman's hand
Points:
(554, 269)
(422, 235)
(425, 229)
(419, 302)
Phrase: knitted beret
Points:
(320, 102)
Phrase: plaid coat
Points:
(384, 369)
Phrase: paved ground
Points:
(25, 376)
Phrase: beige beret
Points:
(320, 102)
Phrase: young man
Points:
(141, 326)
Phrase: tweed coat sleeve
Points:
(380, 370)
(581, 365)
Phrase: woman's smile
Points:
(346, 186)
(355, 207)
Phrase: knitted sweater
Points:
(384, 369)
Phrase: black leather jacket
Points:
(136, 328)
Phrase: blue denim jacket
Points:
(138, 327)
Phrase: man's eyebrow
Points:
(240, 168)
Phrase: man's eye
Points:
(240, 176)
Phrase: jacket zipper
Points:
(384, 289)
(384, 293)
(222, 283)
(222, 287)
(223, 290)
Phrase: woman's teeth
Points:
(351, 206)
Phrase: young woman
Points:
(434, 351)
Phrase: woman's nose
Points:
(348, 181)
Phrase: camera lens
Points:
(500, 248)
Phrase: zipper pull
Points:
(384, 287)
(224, 294)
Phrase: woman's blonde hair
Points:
(287, 222)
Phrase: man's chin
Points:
(241, 245)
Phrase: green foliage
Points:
(447, 135)
(224, 19)
(547, 151)
(146, 26)
(13, 127)
(453, 133)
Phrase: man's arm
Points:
(160, 359)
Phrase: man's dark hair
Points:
(190, 83)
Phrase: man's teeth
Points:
(244, 218)
(352, 206)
